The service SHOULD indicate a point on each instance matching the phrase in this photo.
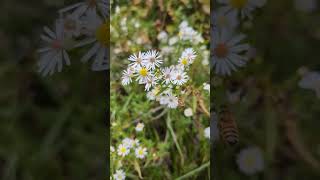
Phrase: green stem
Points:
(174, 137)
(195, 171)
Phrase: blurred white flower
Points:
(53, 54)
(311, 80)
(123, 150)
(242, 7)
(162, 36)
(173, 40)
(187, 33)
(119, 175)
(188, 112)
(227, 52)
(139, 127)
(141, 152)
(96, 30)
(250, 160)
(128, 143)
(112, 149)
(206, 86)
(72, 25)
(224, 19)
(172, 101)
(207, 132)
(167, 50)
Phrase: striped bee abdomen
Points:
(228, 127)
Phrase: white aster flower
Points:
(136, 60)
(150, 82)
(250, 160)
(141, 152)
(139, 127)
(53, 54)
(119, 175)
(167, 74)
(127, 76)
(143, 75)
(188, 112)
(97, 31)
(152, 59)
(180, 77)
(227, 52)
(190, 54)
(123, 150)
(101, 6)
(242, 7)
(172, 101)
(207, 132)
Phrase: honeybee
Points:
(228, 127)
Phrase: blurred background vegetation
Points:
(271, 110)
(51, 127)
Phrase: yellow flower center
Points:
(184, 61)
(123, 150)
(143, 72)
(102, 34)
(238, 4)
(140, 152)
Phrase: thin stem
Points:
(195, 171)
(174, 137)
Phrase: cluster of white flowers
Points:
(78, 25)
(159, 82)
(187, 33)
(228, 52)
(128, 146)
